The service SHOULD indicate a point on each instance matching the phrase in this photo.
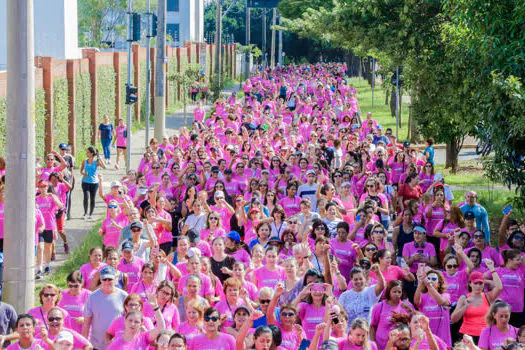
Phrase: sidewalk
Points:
(77, 228)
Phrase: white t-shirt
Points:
(359, 304)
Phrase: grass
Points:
(77, 258)
(380, 111)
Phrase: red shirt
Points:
(409, 193)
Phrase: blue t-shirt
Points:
(430, 151)
(106, 131)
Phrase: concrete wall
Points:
(56, 29)
(190, 17)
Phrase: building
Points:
(56, 29)
(185, 21)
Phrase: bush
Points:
(84, 129)
(40, 119)
(106, 92)
(60, 111)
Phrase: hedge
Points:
(142, 92)
(40, 119)
(83, 113)
(106, 92)
(172, 69)
(3, 124)
(60, 111)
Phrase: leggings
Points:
(106, 146)
(90, 189)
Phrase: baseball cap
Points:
(234, 236)
(379, 127)
(469, 215)
(219, 194)
(193, 236)
(127, 246)
(438, 177)
(329, 344)
(312, 172)
(43, 183)
(214, 169)
(406, 144)
(275, 240)
(323, 140)
(242, 307)
(346, 183)
(193, 252)
(476, 277)
(265, 171)
(108, 272)
(63, 146)
(136, 224)
(65, 336)
(116, 184)
(227, 171)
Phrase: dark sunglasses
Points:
(211, 318)
(478, 236)
(371, 249)
(107, 279)
(265, 301)
(73, 285)
(287, 314)
(451, 266)
(47, 295)
(54, 319)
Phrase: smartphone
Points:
(304, 344)
(421, 267)
(507, 209)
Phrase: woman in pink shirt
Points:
(145, 287)
(232, 290)
(499, 330)
(25, 327)
(194, 325)
(56, 325)
(73, 300)
(213, 227)
(433, 301)
(291, 203)
(212, 337)
(133, 337)
(111, 226)
(49, 204)
(49, 297)
(270, 274)
(95, 263)
(390, 272)
(132, 302)
(435, 213)
(311, 304)
(381, 323)
(358, 337)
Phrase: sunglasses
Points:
(47, 295)
(519, 238)
(214, 218)
(371, 249)
(292, 222)
(338, 175)
(112, 207)
(432, 279)
(370, 186)
(136, 230)
(155, 167)
(73, 285)
(54, 319)
(211, 318)
(379, 231)
(287, 314)
(107, 279)
(478, 236)
(451, 266)
(265, 301)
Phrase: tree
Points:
(184, 79)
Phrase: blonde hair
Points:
(362, 324)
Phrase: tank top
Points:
(474, 317)
(91, 170)
(402, 239)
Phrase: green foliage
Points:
(172, 84)
(106, 92)
(83, 113)
(60, 111)
(40, 122)
(142, 90)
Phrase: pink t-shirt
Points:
(111, 232)
(132, 269)
(205, 286)
(392, 273)
(116, 328)
(491, 337)
(48, 207)
(121, 139)
(88, 272)
(290, 341)
(141, 341)
(346, 253)
(222, 342)
(188, 330)
(439, 316)
(291, 205)
(227, 309)
(143, 290)
(438, 214)
(267, 278)
(41, 316)
(2, 221)
(344, 344)
(410, 249)
(382, 319)
(513, 282)
(456, 285)
(310, 318)
(74, 306)
(78, 340)
(36, 342)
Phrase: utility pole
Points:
(274, 22)
(148, 70)
(129, 122)
(160, 72)
(264, 37)
(218, 44)
(280, 58)
(397, 103)
(19, 225)
(373, 78)
(248, 38)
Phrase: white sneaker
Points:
(89, 218)
(85, 216)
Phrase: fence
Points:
(71, 96)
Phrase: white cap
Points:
(116, 184)
(65, 336)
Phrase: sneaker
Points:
(47, 270)
(85, 216)
(39, 275)
(89, 218)
(66, 248)
(53, 257)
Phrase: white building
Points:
(185, 21)
(56, 29)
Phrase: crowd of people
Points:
(285, 219)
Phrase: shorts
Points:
(121, 147)
(61, 218)
(46, 236)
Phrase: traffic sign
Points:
(263, 3)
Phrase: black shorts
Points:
(46, 236)
(121, 147)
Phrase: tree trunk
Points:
(387, 94)
(400, 107)
(452, 153)
(393, 103)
